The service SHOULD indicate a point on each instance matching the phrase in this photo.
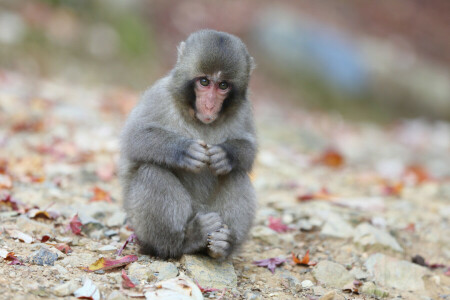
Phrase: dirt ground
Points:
(363, 199)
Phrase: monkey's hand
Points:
(195, 157)
(219, 162)
(219, 243)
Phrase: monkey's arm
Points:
(151, 143)
(232, 154)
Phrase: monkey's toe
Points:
(210, 222)
(218, 249)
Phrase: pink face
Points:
(210, 93)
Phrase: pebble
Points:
(374, 238)
(399, 274)
(163, 270)
(336, 226)
(359, 274)
(210, 273)
(307, 284)
(66, 289)
(43, 257)
(31, 226)
(369, 288)
(332, 295)
(117, 219)
(116, 295)
(107, 248)
(332, 274)
(179, 288)
(111, 232)
(266, 235)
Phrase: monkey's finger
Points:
(202, 143)
(219, 236)
(218, 157)
(198, 156)
(197, 148)
(194, 164)
(215, 150)
(218, 249)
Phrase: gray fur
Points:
(185, 184)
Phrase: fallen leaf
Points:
(41, 214)
(418, 174)
(411, 227)
(127, 283)
(270, 263)
(30, 125)
(175, 288)
(303, 261)
(107, 264)
(75, 225)
(8, 200)
(88, 291)
(13, 259)
(45, 238)
(447, 272)
(131, 239)
(331, 158)
(392, 189)
(5, 182)
(323, 194)
(62, 247)
(418, 259)
(277, 225)
(205, 290)
(23, 237)
(100, 195)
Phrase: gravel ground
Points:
(369, 204)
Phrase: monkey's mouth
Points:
(205, 119)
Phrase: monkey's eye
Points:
(223, 85)
(204, 81)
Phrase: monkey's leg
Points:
(159, 209)
(236, 204)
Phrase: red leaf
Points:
(13, 259)
(305, 261)
(205, 290)
(45, 238)
(100, 195)
(392, 189)
(63, 248)
(270, 263)
(323, 194)
(131, 239)
(106, 172)
(331, 158)
(127, 283)
(277, 225)
(75, 225)
(418, 173)
(8, 200)
(107, 264)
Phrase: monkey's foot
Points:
(219, 243)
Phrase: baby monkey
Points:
(186, 151)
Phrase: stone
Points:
(34, 227)
(266, 235)
(139, 272)
(163, 270)
(179, 288)
(337, 227)
(374, 238)
(332, 295)
(107, 248)
(332, 274)
(210, 273)
(307, 284)
(66, 289)
(369, 288)
(292, 281)
(399, 274)
(116, 295)
(117, 219)
(43, 257)
(359, 274)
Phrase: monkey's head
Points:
(211, 74)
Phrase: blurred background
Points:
(366, 60)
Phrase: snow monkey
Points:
(186, 151)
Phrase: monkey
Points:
(187, 148)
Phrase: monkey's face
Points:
(210, 93)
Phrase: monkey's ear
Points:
(252, 64)
(181, 47)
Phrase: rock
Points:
(107, 248)
(66, 289)
(336, 227)
(43, 257)
(179, 288)
(398, 274)
(110, 233)
(293, 282)
(307, 284)
(332, 295)
(266, 235)
(359, 274)
(116, 295)
(371, 237)
(210, 273)
(88, 290)
(78, 260)
(332, 274)
(163, 270)
(138, 271)
(117, 219)
(89, 224)
(34, 227)
(369, 288)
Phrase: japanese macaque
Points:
(187, 149)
